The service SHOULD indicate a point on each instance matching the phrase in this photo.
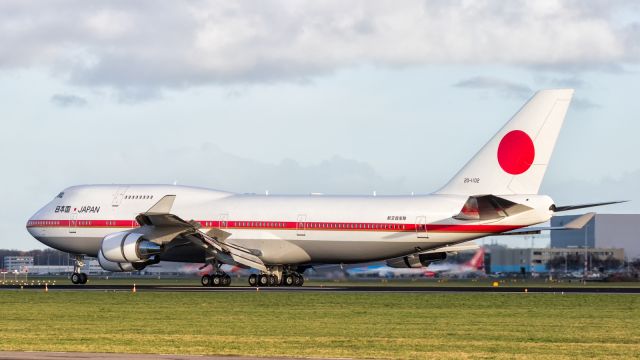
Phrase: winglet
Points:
(163, 206)
(580, 222)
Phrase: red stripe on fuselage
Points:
(287, 225)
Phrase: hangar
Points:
(612, 231)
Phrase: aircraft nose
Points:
(30, 225)
(34, 222)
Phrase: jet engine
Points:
(416, 260)
(116, 266)
(128, 247)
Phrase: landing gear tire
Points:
(216, 280)
(273, 280)
(79, 278)
(298, 280)
(289, 280)
(263, 280)
(205, 280)
(253, 280)
(226, 280)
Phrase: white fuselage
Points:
(286, 229)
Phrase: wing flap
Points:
(239, 254)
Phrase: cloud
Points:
(619, 188)
(580, 103)
(335, 175)
(139, 47)
(68, 100)
(503, 87)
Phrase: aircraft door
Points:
(118, 196)
(421, 227)
(224, 221)
(73, 223)
(301, 225)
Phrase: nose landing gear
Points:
(78, 277)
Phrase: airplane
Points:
(475, 266)
(129, 226)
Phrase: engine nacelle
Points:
(124, 267)
(416, 260)
(114, 266)
(127, 247)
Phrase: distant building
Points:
(17, 263)
(528, 260)
(621, 231)
(51, 269)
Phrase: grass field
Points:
(324, 324)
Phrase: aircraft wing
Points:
(161, 224)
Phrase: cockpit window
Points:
(60, 195)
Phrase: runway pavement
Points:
(333, 289)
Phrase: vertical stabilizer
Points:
(515, 159)
(477, 261)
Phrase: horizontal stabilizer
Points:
(576, 224)
(579, 222)
(469, 245)
(582, 206)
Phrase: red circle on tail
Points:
(516, 152)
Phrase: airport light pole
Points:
(586, 253)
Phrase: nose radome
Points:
(31, 223)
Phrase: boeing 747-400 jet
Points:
(128, 227)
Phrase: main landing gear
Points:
(218, 278)
(78, 277)
(286, 279)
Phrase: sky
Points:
(344, 97)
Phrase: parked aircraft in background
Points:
(128, 227)
(193, 269)
(473, 267)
